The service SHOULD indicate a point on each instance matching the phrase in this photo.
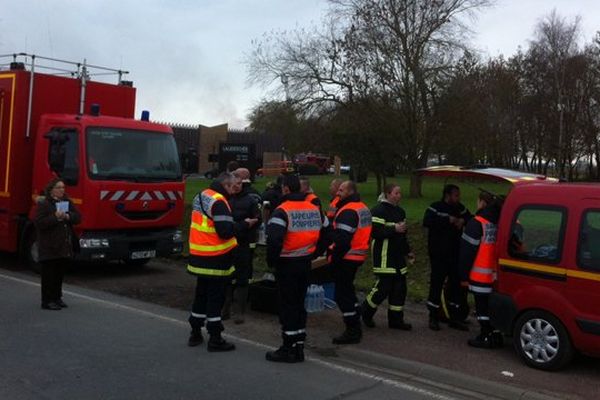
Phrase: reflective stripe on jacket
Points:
(485, 264)
(361, 235)
(303, 228)
(204, 240)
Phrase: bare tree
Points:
(555, 43)
(400, 52)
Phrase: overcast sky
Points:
(185, 56)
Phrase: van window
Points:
(536, 234)
(588, 254)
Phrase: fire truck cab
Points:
(122, 174)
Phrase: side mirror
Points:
(57, 154)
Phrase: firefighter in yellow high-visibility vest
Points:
(212, 242)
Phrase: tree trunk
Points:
(416, 182)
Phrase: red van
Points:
(547, 292)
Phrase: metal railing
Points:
(83, 71)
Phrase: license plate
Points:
(136, 255)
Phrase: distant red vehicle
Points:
(123, 174)
(547, 292)
(311, 162)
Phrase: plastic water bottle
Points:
(267, 276)
(308, 302)
(315, 299)
(320, 305)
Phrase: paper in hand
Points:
(62, 206)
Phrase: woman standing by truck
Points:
(54, 219)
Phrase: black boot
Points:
(459, 325)
(287, 354)
(396, 321)
(217, 343)
(195, 338)
(434, 322)
(351, 335)
(482, 341)
(51, 306)
(367, 313)
(299, 349)
(497, 339)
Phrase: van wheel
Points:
(31, 252)
(542, 341)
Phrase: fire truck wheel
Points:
(31, 252)
(542, 341)
(136, 263)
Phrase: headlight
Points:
(93, 243)
(177, 236)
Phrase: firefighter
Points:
(334, 186)
(292, 235)
(308, 190)
(478, 264)
(272, 196)
(212, 243)
(350, 247)
(245, 207)
(390, 250)
(445, 220)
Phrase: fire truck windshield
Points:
(118, 154)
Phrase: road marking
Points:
(327, 364)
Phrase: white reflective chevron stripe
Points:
(132, 195)
(441, 214)
(278, 221)
(480, 289)
(171, 195)
(103, 194)
(470, 240)
(180, 193)
(146, 196)
(117, 195)
(222, 218)
(345, 227)
(159, 195)
(484, 271)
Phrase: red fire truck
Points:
(123, 174)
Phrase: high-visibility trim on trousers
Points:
(292, 333)
(210, 271)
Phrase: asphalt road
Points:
(437, 360)
(108, 347)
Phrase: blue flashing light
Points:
(145, 115)
(95, 109)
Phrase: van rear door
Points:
(584, 278)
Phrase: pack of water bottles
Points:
(315, 299)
